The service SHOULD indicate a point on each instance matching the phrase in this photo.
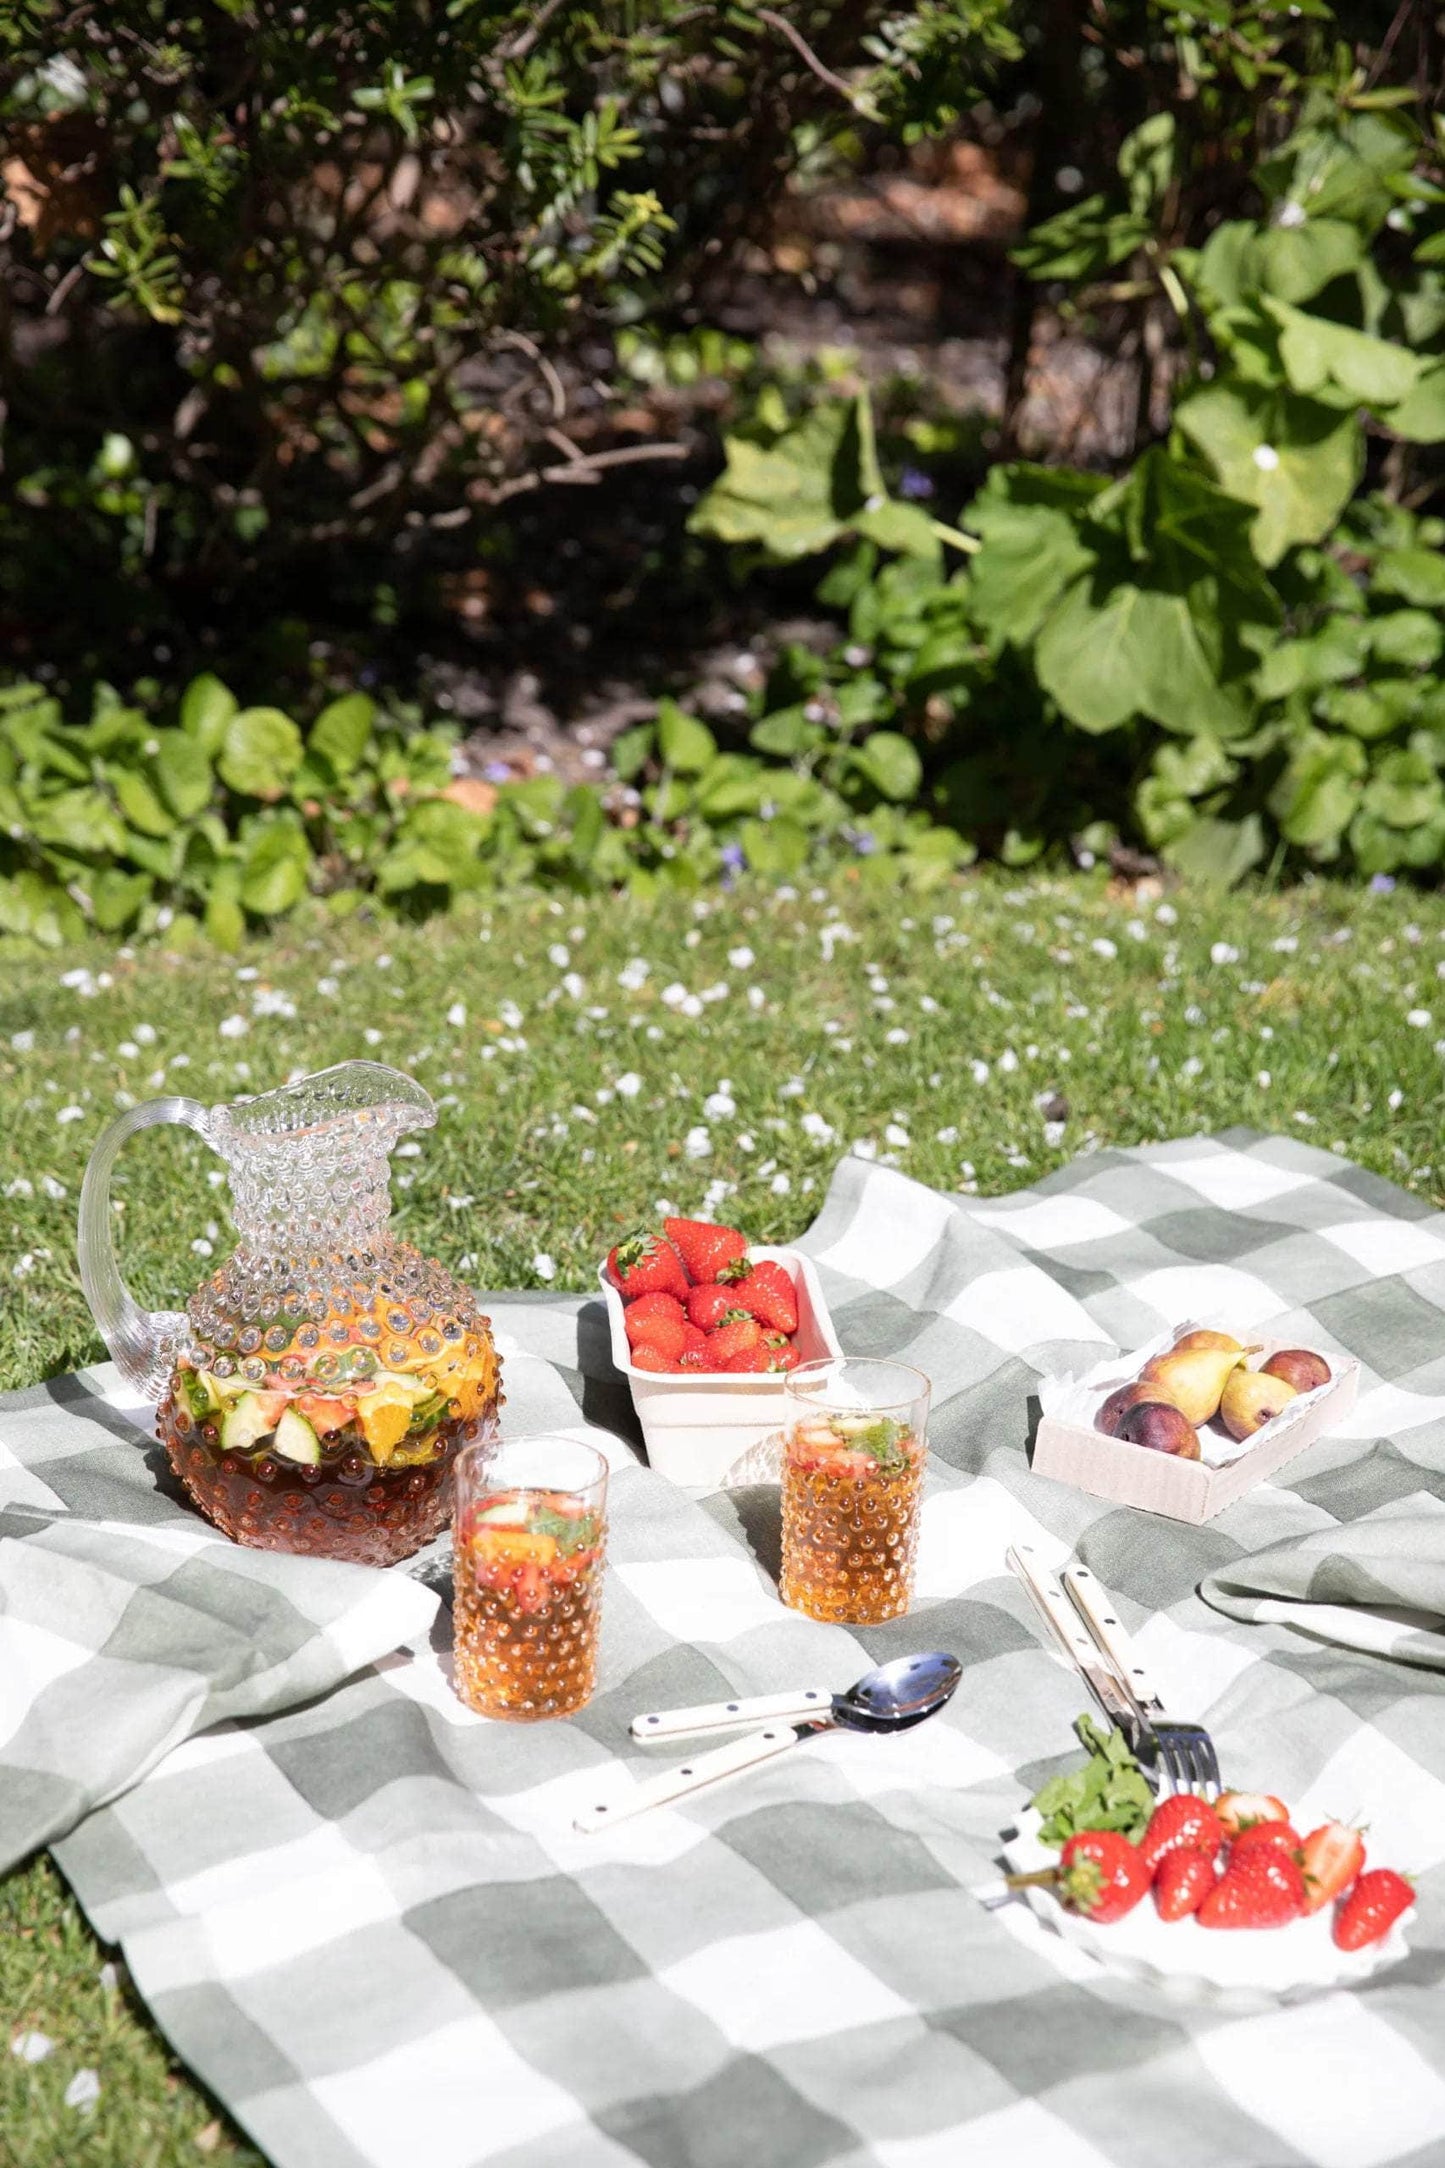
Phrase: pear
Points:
(1251, 1399)
(1193, 1377)
(1209, 1339)
(1160, 1426)
(1299, 1367)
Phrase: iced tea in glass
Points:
(529, 1535)
(855, 1443)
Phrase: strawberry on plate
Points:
(761, 1357)
(1237, 1809)
(1255, 1835)
(1101, 1874)
(1182, 1881)
(643, 1264)
(705, 1248)
(768, 1294)
(659, 1318)
(711, 1306)
(733, 1339)
(1184, 1821)
(1264, 1889)
(1377, 1900)
(1333, 1856)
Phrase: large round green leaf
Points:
(183, 773)
(261, 749)
(342, 731)
(273, 878)
(890, 763)
(206, 708)
(1296, 459)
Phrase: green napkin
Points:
(1376, 1584)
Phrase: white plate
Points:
(1240, 1968)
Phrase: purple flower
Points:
(369, 674)
(864, 844)
(497, 771)
(734, 857)
(914, 484)
(1382, 884)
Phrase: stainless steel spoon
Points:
(892, 1697)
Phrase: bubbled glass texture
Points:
(849, 1542)
(320, 1298)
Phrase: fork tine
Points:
(1209, 1766)
(1169, 1763)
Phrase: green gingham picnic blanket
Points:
(368, 1925)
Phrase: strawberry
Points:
(1372, 1908)
(659, 1318)
(734, 1339)
(1333, 1856)
(1265, 1889)
(768, 1295)
(785, 1357)
(1185, 1821)
(1182, 1881)
(1236, 1809)
(709, 1307)
(1257, 1836)
(1101, 1874)
(761, 1357)
(648, 1357)
(693, 1341)
(643, 1264)
(704, 1248)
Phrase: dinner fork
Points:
(1183, 1752)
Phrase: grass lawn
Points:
(590, 1061)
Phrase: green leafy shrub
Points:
(1224, 651)
(284, 282)
(232, 815)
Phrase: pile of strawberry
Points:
(1239, 1863)
(694, 1302)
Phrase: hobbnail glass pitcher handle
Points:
(143, 1342)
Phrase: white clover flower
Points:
(1103, 947)
(457, 1015)
(980, 1071)
(793, 1088)
(560, 955)
(947, 1136)
(23, 1042)
(780, 1185)
(127, 1050)
(56, 1191)
(896, 1135)
(384, 963)
(32, 2047)
(509, 1014)
(1166, 914)
(1395, 1101)
(928, 1005)
(1137, 930)
(757, 999)
(1053, 1133)
(742, 958)
(19, 1187)
(202, 1248)
(461, 1203)
(1008, 1060)
(821, 1131)
(745, 1141)
(897, 1036)
(71, 1114)
(629, 1085)
(719, 1105)
(371, 1035)
(697, 1144)
(1263, 1080)
(1420, 1018)
(633, 975)
(328, 986)
(233, 1027)
(1222, 953)
(23, 1266)
(83, 2091)
(574, 986)
(544, 1266)
(410, 1150)
(144, 1034)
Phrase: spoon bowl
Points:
(896, 1695)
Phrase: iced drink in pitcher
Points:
(855, 1443)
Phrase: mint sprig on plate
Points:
(1109, 1792)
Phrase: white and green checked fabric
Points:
(366, 1921)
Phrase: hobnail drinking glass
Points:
(854, 1448)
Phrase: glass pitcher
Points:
(316, 1389)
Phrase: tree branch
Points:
(805, 53)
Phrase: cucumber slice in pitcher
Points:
(296, 1440)
(246, 1423)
